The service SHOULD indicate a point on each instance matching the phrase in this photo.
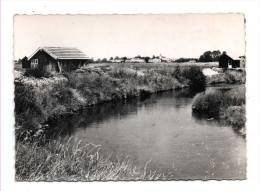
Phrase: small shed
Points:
(235, 63)
(25, 63)
(226, 61)
(58, 58)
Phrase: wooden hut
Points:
(58, 59)
(225, 61)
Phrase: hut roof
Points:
(63, 53)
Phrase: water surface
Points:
(161, 128)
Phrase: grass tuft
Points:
(68, 160)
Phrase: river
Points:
(162, 129)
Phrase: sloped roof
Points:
(63, 53)
(225, 56)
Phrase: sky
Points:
(105, 36)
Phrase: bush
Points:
(230, 105)
(209, 102)
(214, 101)
(38, 100)
(40, 73)
(195, 77)
(34, 73)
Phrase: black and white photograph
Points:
(130, 97)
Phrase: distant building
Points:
(117, 61)
(226, 61)
(155, 60)
(25, 63)
(192, 61)
(135, 60)
(164, 59)
(58, 58)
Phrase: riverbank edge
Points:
(142, 94)
(230, 106)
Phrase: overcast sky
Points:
(174, 36)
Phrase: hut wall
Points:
(70, 65)
(223, 61)
(25, 63)
(236, 64)
(45, 61)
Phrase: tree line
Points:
(208, 56)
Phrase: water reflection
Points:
(118, 110)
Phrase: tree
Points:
(124, 58)
(196, 78)
(104, 60)
(111, 58)
(216, 54)
(209, 56)
(146, 59)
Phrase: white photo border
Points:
(249, 8)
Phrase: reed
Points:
(70, 160)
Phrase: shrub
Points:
(195, 77)
(46, 72)
(38, 100)
(35, 73)
(209, 102)
(235, 96)
(214, 101)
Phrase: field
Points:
(160, 64)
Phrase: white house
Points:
(135, 60)
(155, 60)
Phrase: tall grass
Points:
(230, 105)
(235, 116)
(37, 100)
(228, 77)
(213, 101)
(67, 160)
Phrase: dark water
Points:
(161, 128)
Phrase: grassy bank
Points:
(39, 100)
(229, 105)
(73, 161)
(227, 77)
